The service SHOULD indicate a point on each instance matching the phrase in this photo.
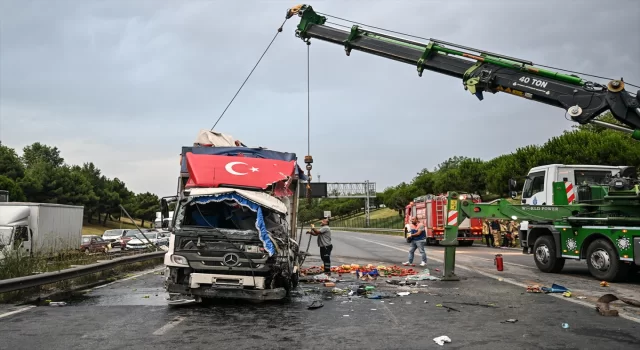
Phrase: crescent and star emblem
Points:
(229, 168)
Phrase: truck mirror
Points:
(514, 194)
(164, 208)
(512, 184)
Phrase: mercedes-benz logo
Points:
(231, 259)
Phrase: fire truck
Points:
(431, 211)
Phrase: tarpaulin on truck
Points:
(242, 152)
(253, 206)
(215, 171)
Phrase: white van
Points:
(538, 187)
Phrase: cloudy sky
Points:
(125, 84)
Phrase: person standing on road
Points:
(418, 236)
(495, 231)
(324, 243)
(486, 232)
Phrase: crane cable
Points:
(249, 76)
(308, 159)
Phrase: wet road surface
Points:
(133, 314)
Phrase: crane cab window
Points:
(590, 177)
(533, 184)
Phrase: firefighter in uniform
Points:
(495, 231)
(486, 232)
(515, 233)
(504, 233)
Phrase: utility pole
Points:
(366, 202)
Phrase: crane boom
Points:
(483, 71)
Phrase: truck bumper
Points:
(205, 285)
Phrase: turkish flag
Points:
(207, 170)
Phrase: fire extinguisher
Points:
(498, 262)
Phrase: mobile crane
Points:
(483, 71)
(603, 225)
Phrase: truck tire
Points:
(604, 262)
(544, 254)
(406, 233)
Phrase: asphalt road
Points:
(133, 314)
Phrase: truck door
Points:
(534, 190)
(22, 239)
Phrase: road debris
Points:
(449, 308)
(534, 289)
(567, 294)
(555, 288)
(604, 284)
(511, 320)
(57, 303)
(565, 325)
(316, 304)
(442, 339)
(602, 304)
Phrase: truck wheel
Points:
(406, 235)
(295, 278)
(545, 255)
(604, 262)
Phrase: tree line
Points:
(584, 144)
(40, 175)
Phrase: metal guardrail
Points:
(18, 283)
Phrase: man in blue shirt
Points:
(418, 237)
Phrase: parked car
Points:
(139, 241)
(94, 244)
(113, 236)
(127, 236)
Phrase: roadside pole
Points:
(450, 240)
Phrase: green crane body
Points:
(604, 227)
(609, 215)
(483, 71)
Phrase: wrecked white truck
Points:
(233, 231)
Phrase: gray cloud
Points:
(125, 84)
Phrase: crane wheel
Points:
(544, 255)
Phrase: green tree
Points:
(146, 206)
(38, 152)
(98, 183)
(10, 164)
(15, 192)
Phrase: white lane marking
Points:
(7, 314)
(458, 252)
(130, 277)
(164, 329)
(515, 283)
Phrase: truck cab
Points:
(15, 234)
(233, 230)
(538, 185)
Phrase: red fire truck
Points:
(431, 211)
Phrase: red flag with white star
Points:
(207, 170)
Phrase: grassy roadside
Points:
(96, 228)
